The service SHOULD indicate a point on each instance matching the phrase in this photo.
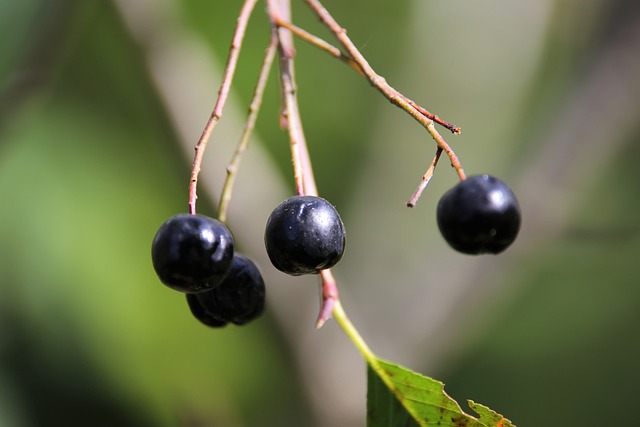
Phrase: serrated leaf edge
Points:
(377, 365)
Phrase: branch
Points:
(320, 43)
(425, 118)
(290, 116)
(338, 54)
(223, 93)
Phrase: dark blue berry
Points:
(192, 253)
(304, 235)
(479, 215)
(200, 313)
(238, 299)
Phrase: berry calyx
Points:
(192, 253)
(304, 235)
(479, 215)
(238, 299)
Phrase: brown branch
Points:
(303, 171)
(381, 84)
(338, 54)
(223, 93)
(453, 128)
(321, 44)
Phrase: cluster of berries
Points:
(194, 254)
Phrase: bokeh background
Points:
(101, 103)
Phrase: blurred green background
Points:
(101, 103)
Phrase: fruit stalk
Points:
(395, 97)
(290, 115)
(254, 108)
(353, 64)
(223, 93)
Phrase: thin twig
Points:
(338, 54)
(223, 93)
(425, 179)
(320, 43)
(380, 83)
(254, 109)
(294, 124)
(453, 128)
(302, 169)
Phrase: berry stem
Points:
(290, 115)
(254, 109)
(425, 179)
(425, 118)
(338, 54)
(223, 93)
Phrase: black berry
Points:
(304, 235)
(479, 215)
(200, 313)
(238, 299)
(192, 253)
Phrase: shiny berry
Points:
(192, 253)
(238, 299)
(304, 235)
(479, 215)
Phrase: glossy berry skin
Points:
(479, 215)
(192, 253)
(238, 299)
(304, 235)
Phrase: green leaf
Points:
(398, 397)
